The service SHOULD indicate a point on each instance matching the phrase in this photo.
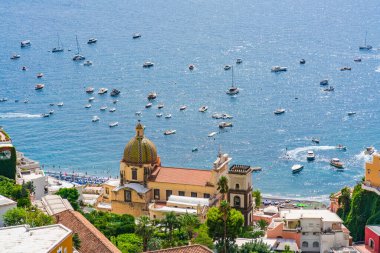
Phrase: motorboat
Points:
(225, 124)
(39, 86)
(115, 101)
(87, 63)
(182, 108)
(115, 92)
(113, 124)
(90, 89)
(138, 113)
(195, 149)
(15, 56)
(16, 100)
(95, 119)
(227, 67)
(239, 61)
(40, 75)
(23, 68)
(191, 67)
(113, 109)
(148, 105)
(345, 68)
(336, 163)
(212, 134)
(297, 168)
(315, 140)
(91, 99)
(302, 61)
(59, 47)
(25, 43)
(279, 111)
(278, 69)
(341, 147)
(331, 88)
(168, 116)
(78, 56)
(216, 116)
(148, 64)
(87, 106)
(159, 115)
(92, 41)
(169, 132)
(369, 150)
(102, 91)
(160, 106)
(103, 108)
(203, 108)
(310, 156)
(226, 116)
(152, 95)
(366, 46)
(351, 113)
(51, 112)
(357, 59)
(136, 35)
(51, 104)
(45, 115)
(26, 101)
(4, 99)
(324, 82)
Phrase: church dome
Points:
(140, 150)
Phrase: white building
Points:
(5, 205)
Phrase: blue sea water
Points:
(208, 34)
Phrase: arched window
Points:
(315, 244)
(237, 201)
(237, 186)
(305, 244)
(371, 243)
(134, 174)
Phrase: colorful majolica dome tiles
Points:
(140, 150)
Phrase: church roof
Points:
(181, 176)
(139, 188)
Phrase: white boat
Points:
(324, 82)
(331, 88)
(136, 35)
(113, 124)
(336, 163)
(103, 108)
(226, 116)
(59, 47)
(239, 61)
(369, 150)
(302, 61)
(152, 95)
(78, 56)
(310, 155)
(168, 116)
(102, 91)
(115, 92)
(341, 147)
(91, 99)
(159, 115)
(191, 67)
(315, 140)
(233, 90)
(227, 67)
(225, 124)
(203, 108)
(217, 116)
(160, 106)
(15, 56)
(92, 41)
(25, 43)
(51, 112)
(212, 134)
(90, 90)
(39, 86)
(138, 113)
(278, 69)
(148, 105)
(87, 106)
(297, 168)
(95, 119)
(40, 75)
(357, 59)
(87, 63)
(182, 108)
(148, 64)
(24, 68)
(45, 115)
(345, 68)
(115, 101)
(366, 46)
(169, 132)
(113, 109)
(26, 101)
(279, 111)
(351, 113)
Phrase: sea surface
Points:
(208, 34)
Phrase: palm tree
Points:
(145, 229)
(223, 186)
(170, 222)
(225, 209)
(262, 224)
(189, 223)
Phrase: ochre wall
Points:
(372, 171)
(67, 243)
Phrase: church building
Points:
(146, 187)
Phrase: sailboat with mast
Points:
(233, 90)
(365, 47)
(59, 48)
(78, 56)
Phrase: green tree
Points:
(71, 194)
(216, 227)
(262, 224)
(344, 200)
(257, 246)
(287, 249)
(76, 241)
(31, 216)
(145, 230)
(170, 222)
(189, 222)
(257, 195)
(223, 186)
(18, 193)
(128, 243)
(201, 237)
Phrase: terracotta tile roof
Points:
(184, 249)
(92, 240)
(181, 176)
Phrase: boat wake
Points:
(11, 115)
(378, 69)
(363, 156)
(299, 154)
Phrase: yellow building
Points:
(145, 186)
(372, 171)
